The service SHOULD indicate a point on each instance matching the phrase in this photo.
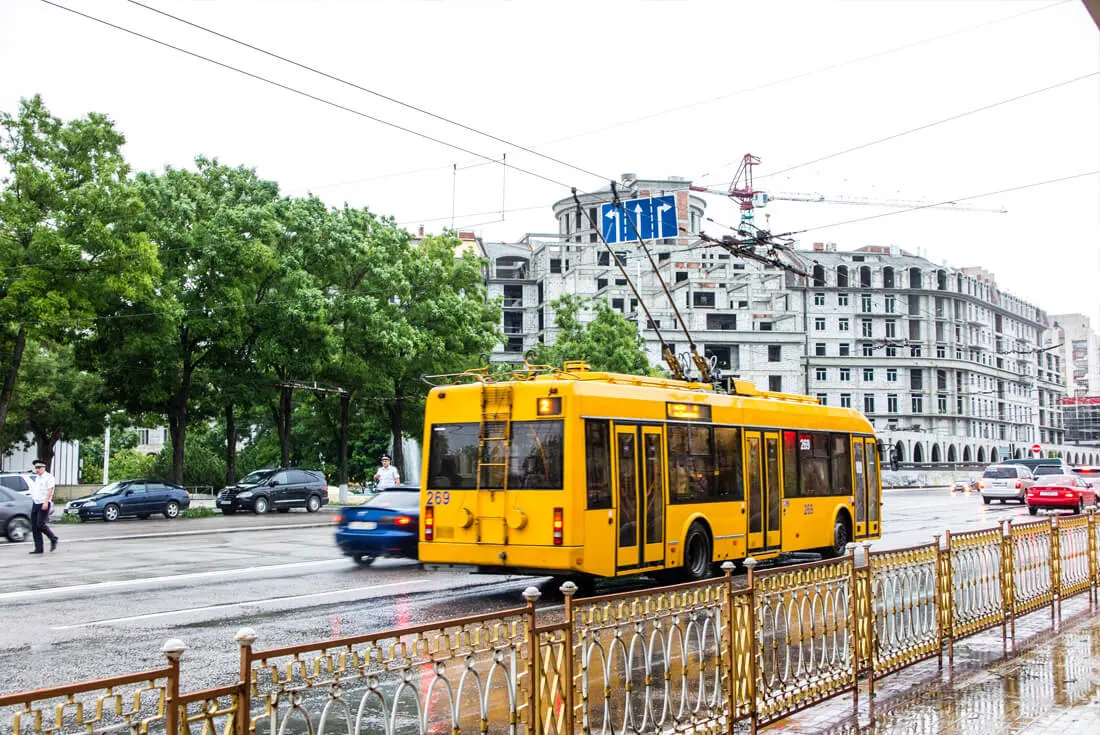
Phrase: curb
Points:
(204, 532)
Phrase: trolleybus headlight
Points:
(558, 523)
(429, 523)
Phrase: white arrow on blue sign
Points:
(645, 219)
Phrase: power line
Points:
(303, 93)
(939, 204)
(361, 88)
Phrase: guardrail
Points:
(694, 657)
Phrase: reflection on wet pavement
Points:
(1049, 683)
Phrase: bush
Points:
(198, 513)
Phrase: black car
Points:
(141, 498)
(281, 488)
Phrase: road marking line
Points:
(201, 532)
(189, 576)
(207, 608)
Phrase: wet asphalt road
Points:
(110, 596)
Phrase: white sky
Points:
(654, 88)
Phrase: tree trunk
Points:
(44, 444)
(177, 424)
(230, 446)
(345, 399)
(397, 417)
(282, 422)
(13, 372)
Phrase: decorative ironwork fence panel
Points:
(904, 590)
(1073, 550)
(977, 601)
(134, 704)
(653, 661)
(460, 676)
(1032, 571)
(554, 680)
(209, 712)
(742, 654)
(804, 632)
(864, 625)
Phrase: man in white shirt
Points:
(41, 491)
(387, 475)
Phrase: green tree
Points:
(608, 342)
(215, 228)
(71, 248)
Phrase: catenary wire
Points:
(361, 88)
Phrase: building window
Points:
(842, 324)
(774, 353)
(845, 349)
(555, 265)
(617, 304)
(821, 373)
(868, 373)
(720, 322)
(892, 403)
(914, 351)
(819, 324)
(842, 299)
(865, 327)
(603, 258)
(819, 349)
(601, 284)
(703, 299)
(918, 403)
(775, 383)
(823, 399)
(891, 375)
(869, 403)
(891, 303)
(865, 303)
(916, 379)
(941, 404)
(819, 299)
(891, 329)
(868, 349)
(681, 276)
(845, 374)
(765, 326)
(620, 281)
(941, 351)
(845, 400)
(842, 276)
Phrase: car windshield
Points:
(402, 500)
(255, 478)
(998, 473)
(1047, 469)
(1058, 481)
(109, 489)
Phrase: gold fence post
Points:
(532, 594)
(568, 590)
(173, 649)
(750, 565)
(949, 601)
(1094, 574)
(869, 621)
(1055, 569)
(727, 572)
(939, 603)
(1005, 574)
(243, 718)
(853, 627)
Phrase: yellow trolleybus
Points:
(575, 473)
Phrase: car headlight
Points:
(245, 495)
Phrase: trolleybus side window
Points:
(816, 464)
(727, 447)
(536, 455)
(597, 442)
(690, 464)
(452, 457)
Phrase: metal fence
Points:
(691, 658)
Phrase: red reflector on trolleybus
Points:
(558, 524)
(429, 523)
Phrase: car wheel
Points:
(18, 529)
(260, 506)
(697, 554)
(283, 510)
(987, 501)
(1033, 511)
(364, 560)
(228, 511)
(1080, 506)
(172, 510)
(111, 513)
(313, 504)
(1002, 501)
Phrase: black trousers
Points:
(39, 518)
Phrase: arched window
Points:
(819, 276)
(888, 277)
(899, 451)
(865, 276)
(966, 454)
(915, 278)
(981, 455)
(918, 453)
(936, 453)
(941, 280)
(842, 276)
(993, 456)
(952, 455)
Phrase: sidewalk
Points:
(1048, 683)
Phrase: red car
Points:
(1060, 492)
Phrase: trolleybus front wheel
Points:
(698, 556)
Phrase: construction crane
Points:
(741, 190)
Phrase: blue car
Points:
(141, 498)
(388, 524)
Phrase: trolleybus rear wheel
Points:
(698, 556)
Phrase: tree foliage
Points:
(608, 342)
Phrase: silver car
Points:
(1005, 482)
(15, 515)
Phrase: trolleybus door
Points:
(860, 482)
(874, 487)
(762, 463)
(639, 493)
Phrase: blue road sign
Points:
(634, 219)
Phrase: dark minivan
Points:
(279, 488)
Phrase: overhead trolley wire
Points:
(361, 88)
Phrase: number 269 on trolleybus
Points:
(575, 473)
